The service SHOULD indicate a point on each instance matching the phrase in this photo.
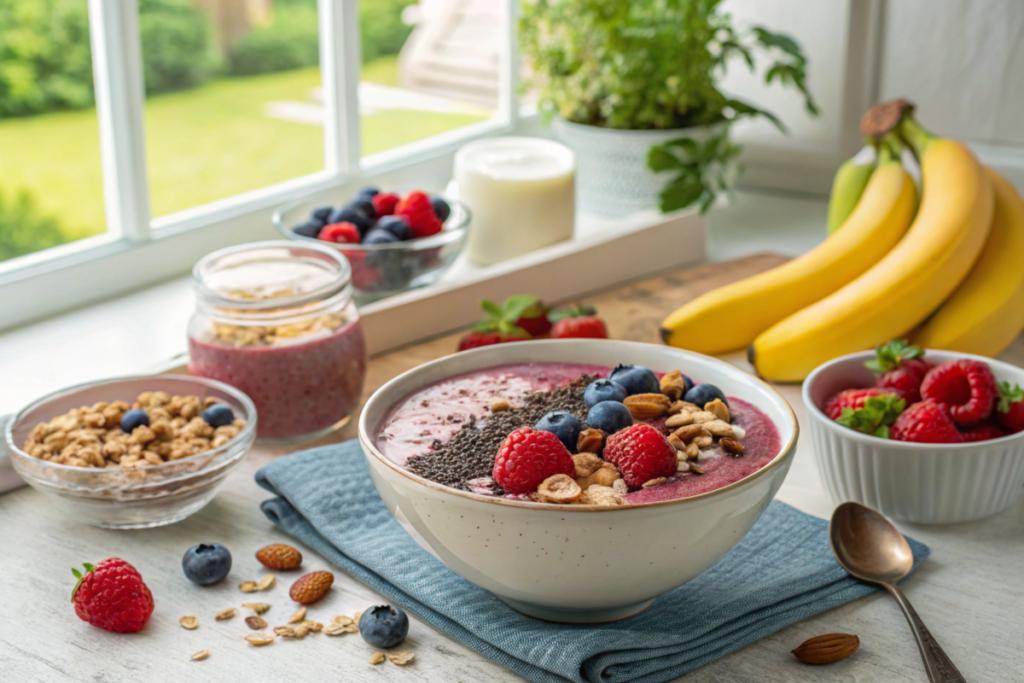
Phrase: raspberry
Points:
(112, 596)
(418, 212)
(641, 453)
(966, 386)
(905, 381)
(528, 457)
(384, 204)
(1010, 411)
(342, 233)
(983, 432)
(851, 398)
(926, 422)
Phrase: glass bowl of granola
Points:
(181, 437)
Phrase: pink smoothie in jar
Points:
(276, 321)
(433, 415)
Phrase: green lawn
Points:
(204, 144)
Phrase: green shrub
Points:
(178, 48)
(381, 29)
(23, 230)
(290, 41)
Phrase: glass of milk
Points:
(521, 192)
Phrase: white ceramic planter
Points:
(923, 483)
(575, 563)
(612, 177)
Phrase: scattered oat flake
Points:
(259, 639)
(314, 626)
(355, 618)
(400, 658)
(298, 616)
(200, 656)
(225, 614)
(191, 623)
(266, 583)
(256, 623)
(284, 631)
(247, 586)
(376, 658)
(342, 620)
(257, 607)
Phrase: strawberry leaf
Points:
(1008, 396)
(570, 312)
(877, 415)
(80, 576)
(891, 356)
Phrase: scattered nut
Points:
(827, 648)
(247, 586)
(692, 451)
(400, 658)
(266, 583)
(690, 432)
(605, 476)
(681, 406)
(259, 639)
(679, 419)
(200, 656)
(673, 385)
(377, 658)
(647, 406)
(601, 495)
(257, 607)
(676, 442)
(701, 416)
(682, 466)
(719, 409)
(256, 623)
(704, 441)
(311, 587)
(732, 446)
(298, 616)
(499, 405)
(279, 556)
(590, 441)
(619, 486)
(653, 482)
(719, 428)
(695, 469)
(681, 456)
(560, 489)
(586, 464)
(191, 623)
(225, 614)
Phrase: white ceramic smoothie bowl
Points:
(577, 563)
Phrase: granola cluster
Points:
(92, 436)
(249, 335)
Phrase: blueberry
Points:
(687, 383)
(603, 390)
(383, 626)
(441, 209)
(364, 206)
(378, 236)
(609, 417)
(368, 191)
(218, 415)
(348, 214)
(704, 393)
(206, 564)
(563, 425)
(636, 379)
(321, 214)
(134, 418)
(310, 228)
(396, 226)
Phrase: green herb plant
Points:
(655, 65)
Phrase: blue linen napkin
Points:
(781, 573)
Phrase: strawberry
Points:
(500, 325)
(535, 320)
(577, 322)
(641, 453)
(851, 398)
(901, 368)
(966, 386)
(926, 422)
(475, 340)
(983, 432)
(875, 416)
(418, 212)
(342, 233)
(112, 596)
(1010, 411)
(384, 203)
(527, 457)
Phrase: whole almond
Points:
(647, 406)
(827, 648)
(311, 587)
(279, 556)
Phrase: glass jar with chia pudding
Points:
(276, 320)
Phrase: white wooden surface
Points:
(969, 593)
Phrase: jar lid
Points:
(269, 278)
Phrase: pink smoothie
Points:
(300, 387)
(436, 413)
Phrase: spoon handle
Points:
(937, 664)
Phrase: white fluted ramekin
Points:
(923, 483)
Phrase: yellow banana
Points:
(730, 317)
(849, 184)
(986, 313)
(902, 289)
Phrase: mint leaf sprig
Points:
(878, 414)
(502, 318)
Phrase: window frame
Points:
(137, 249)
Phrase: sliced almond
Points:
(377, 658)
(191, 623)
(298, 616)
(719, 428)
(259, 639)
(256, 623)
(679, 419)
(225, 614)
(266, 583)
(400, 658)
(200, 656)
(257, 607)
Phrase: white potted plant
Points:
(632, 86)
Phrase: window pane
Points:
(51, 189)
(428, 67)
(233, 97)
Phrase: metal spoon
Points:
(869, 547)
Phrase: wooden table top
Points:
(969, 592)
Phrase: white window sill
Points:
(139, 331)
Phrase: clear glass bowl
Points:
(382, 270)
(140, 497)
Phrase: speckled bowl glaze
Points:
(577, 563)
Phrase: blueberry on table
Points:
(378, 236)
(218, 415)
(601, 390)
(636, 379)
(609, 417)
(384, 626)
(565, 426)
(321, 213)
(348, 214)
(441, 209)
(134, 418)
(704, 393)
(206, 564)
(396, 226)
(368, 192)
(308, 229)
(365, 206)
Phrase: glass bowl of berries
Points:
(134, 452)
(395, 241)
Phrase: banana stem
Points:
(917, 137)
(890, 149)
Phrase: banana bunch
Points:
(950, 276)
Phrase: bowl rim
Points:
(786, 451)
(820, 418)
(448, 234)
(248, 431)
